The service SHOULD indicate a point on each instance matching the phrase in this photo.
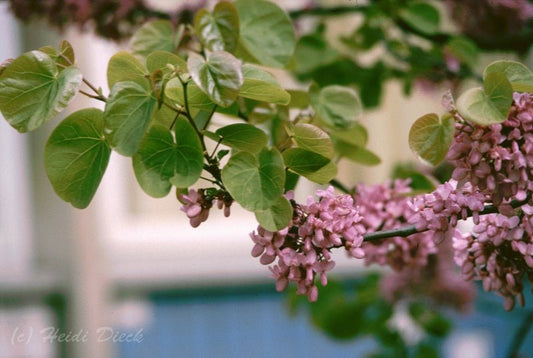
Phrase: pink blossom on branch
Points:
(303, 249)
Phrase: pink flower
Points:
(302, 250)
(195, 207)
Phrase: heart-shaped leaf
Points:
(262, 86)
(218, 30)
(123, 66)
(303, 161)
(276, 217)
(357, 135)
(76, 156)
(488, 106)
(312, 138)
(499, 90)
(356, 153)
(157, 35)
(323, 175)
(336, 106)
(431, 137)
(220, 77)
(196, 98)
(266, 32)
(128, 111)
(243, 137)
(189, 152)
(158, 60)
(520, 77)
(33, 90)
(255, 182)
(160, 161)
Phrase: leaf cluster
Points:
(163, 95)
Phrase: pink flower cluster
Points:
(385, 207)
(498, 162)
(196, 205)
(419, 266)
(441, 209)
(498, 159)
(303, 249)
(499, 252)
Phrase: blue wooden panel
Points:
(236, 324)
(233, 326)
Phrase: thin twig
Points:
(210, 116)
(191, 120)
(326, 11)
(337, 184)
(100, 98)
(411, 229)
(99, 95)
(520, 336)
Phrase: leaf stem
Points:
(99, 97)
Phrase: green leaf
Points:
(431, 320)
(485, 107)
(123, 66)
(262, 86)
(218, 30)
(243, 137)
(153, 36)
(299, 99)
(309, 164)
(291, 180)
(336, 106)
(464, 49)
(128, 111)
(425, 350)
(431, 137)
(196, 98)
(76, 156)
(314, 139)
(276, 217)
(160, 161)
(499, 90)
(190, 155)
(159, 60)
(255, 182)
(419, 182)
(220, 77)
(422, 17)
(312, 52)
(266, 32)
(356, 153)
(64, 58)
(303, 161)
(520, 77)
(33, 90)
(66, 54)
(357, 135)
